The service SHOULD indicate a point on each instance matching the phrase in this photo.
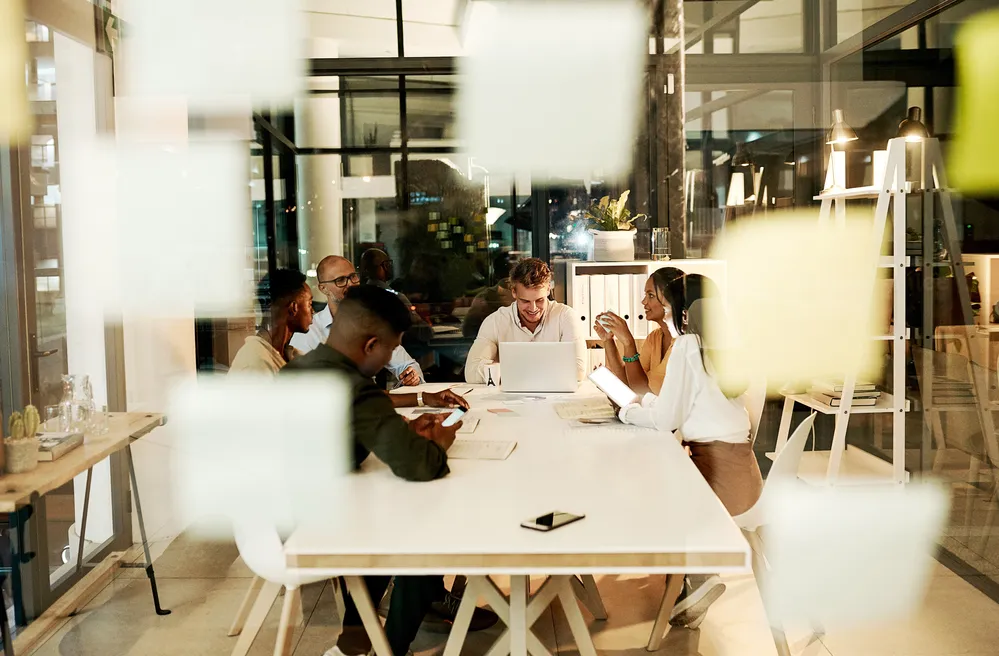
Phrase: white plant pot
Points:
(613, 245)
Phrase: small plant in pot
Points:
(21, 446)
(613, 229)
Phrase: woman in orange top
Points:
(643, 370)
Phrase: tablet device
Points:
(612, 386)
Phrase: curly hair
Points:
(531, 272)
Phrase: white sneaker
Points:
(335, 651)
(692, 609)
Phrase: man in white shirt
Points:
(532, 317)
(337, 275)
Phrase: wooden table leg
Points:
(362, 600)
(459, 630)
(518, 615)
(580, 632)
(674, 585)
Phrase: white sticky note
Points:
(184, 228)
(561, 99)
(215, 53)
(259, 449)
(849, 556)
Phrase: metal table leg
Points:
(83, 527)
(142, 531)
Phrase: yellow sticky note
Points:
(801, 300)
(976, 141)
(15, 119)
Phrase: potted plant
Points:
(21, 446)
(612, 227)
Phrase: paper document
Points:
(468, 425)
(595, 408)
(481, 450)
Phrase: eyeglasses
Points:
(343, 281)
(386, 264)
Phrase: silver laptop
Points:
(538, 366)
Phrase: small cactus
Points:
(16, 427)
(31, 421)
(15, 419)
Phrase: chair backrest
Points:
(753, 400)
(785, 468)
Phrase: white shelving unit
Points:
(840, 464)
(626, 299)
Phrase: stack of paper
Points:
(481, 450)
(594, 408)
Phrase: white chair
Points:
(262, 454)
(784, 469)
(754, 399)
(263, 553)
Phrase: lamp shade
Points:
(742, 156)
(840, 133)
(912, 128)
(975, 146)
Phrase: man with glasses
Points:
(337, 275)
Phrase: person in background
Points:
(490, 299)
(532, 317)
(286, 306)
(643, 370)
(361, 342)
(713, 422)
(336, 276)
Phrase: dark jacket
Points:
(377, 427)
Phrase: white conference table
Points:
(648, 510)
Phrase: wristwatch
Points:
(419, 399)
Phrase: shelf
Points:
(855, 192)
(883, 405)
(857, 467)
(888, 338)
(888, 262)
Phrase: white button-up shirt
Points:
(319, 332)
(690, 401)
(504, 325)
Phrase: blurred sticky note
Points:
(976, 140)
(184, 228)
(216, 53)
(801, 297)
(561, 99)
(848, 556)
(270, 451)
(15, 120)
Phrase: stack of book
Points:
(831, 393)
(948, 391)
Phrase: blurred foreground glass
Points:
(660, 244)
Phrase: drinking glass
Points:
(99, 422)
(660, 244)
(53, 418)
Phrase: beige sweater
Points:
(256, 355)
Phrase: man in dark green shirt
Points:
(369, 326)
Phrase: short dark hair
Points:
(531, 272)
(368, 264)
(279, 289)
(373, 311)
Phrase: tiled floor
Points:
(204, 583)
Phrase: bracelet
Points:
(419, 399)
(633, 358)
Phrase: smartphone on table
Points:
(453, 418)
(551, 521)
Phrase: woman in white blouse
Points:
(713, 424)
